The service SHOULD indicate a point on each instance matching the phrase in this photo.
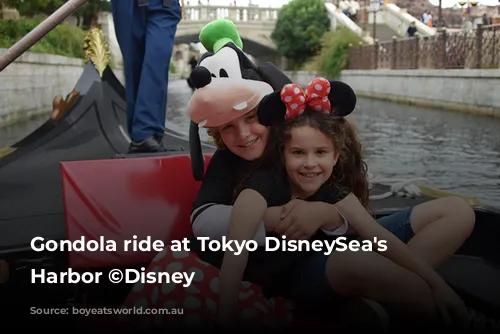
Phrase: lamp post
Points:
(374, 6)
(440, 14)
(365, 16)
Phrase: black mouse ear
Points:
(271, 110)
(342, 98)
(273, 76)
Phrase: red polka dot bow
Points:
(315, 97)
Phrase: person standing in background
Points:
(145, 30)
(412, 30)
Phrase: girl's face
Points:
(309, 160)
(245, 136)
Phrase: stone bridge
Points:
(255, 25)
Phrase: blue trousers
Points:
(146, 36)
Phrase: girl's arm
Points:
(248, 211)
(398, 252)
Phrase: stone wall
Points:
(28, 85)
(470, 91)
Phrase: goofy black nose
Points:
(200, 77)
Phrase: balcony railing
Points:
(478, 48)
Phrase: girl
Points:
(306, 160)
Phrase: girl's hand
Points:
(450, 306)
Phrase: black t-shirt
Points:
(224, 172)
(276, 189)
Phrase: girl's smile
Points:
(309, 160)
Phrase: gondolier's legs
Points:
(151, 104)
(130, 29)
(146, 36)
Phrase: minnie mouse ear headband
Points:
(321, 95)
(224, 100)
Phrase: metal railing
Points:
(235, 13)
(476, 49)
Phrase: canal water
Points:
(453, 151)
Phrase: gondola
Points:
(72, 178)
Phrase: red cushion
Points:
(198, 302)
(118, 198)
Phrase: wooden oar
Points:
(39, 32)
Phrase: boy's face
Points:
(245, 136)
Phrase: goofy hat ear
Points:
(331, 97)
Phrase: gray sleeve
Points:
(212, 221)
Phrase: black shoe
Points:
(152, 145)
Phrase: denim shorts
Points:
(309, 286)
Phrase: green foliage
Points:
(85, 14)
(334, 54)
(64, 40)
(34, 7)
(301, 25)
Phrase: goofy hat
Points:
(227, 84)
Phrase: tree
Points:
(88, 12)
(300, 26)
(31, 8)
(85, 14)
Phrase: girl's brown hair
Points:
(350, 172)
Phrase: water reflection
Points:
(455, 152)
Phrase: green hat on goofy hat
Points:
(218, 33)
